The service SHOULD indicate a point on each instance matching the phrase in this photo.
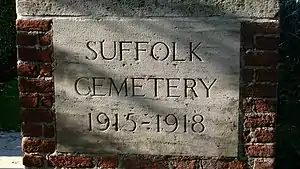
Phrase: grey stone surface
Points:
(97, 8)
(113, 119)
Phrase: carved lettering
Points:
(77, 83)
(123, 49)
(94, 85)
(102, 51)
(138, 49)
(157, 47)
(155, 84)
(171, 86)
(135, 86)
(186, 87)
(207, 88)
(174, 53)
(169, 123)
(115, 87)
(192, 51)
(88, 45)
(158, 51)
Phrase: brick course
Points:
(70, 161)
(38, 146)
(33, 54)
(34, 25)
(260, 136)
(25, 38)
(254, 121)
(220, 164)
(189, 163)
(36, 85)
(33, 160)
(261, 58)
(108, 162)
(27, 69)
(31, 130)
(37, 115)
(141, 162)
(260, 150)
(264, 164)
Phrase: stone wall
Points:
(259, 58)
(259, 43)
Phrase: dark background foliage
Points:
(9, 105)
(288, 117)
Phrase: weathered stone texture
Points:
(110, 93)
(96, 8)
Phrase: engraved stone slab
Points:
(147, 86)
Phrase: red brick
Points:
(259, 121)
(36, 115)
(47, 100)
(33, 54)
(260, 151)
(237, 165)
(267, 42)
(33, 25)
(36, 85)
(27, 69)
(264, 136)
(38, 146)
(219, 164)
(213, 164)
(250, 29)
(70, 161)
(264, 164)
(32, 160)
(266, 75)
(260, 136)
(49, 131)
(45, 70)
(45, 39)
(181, 163)
(29, 100)
(247, 75)
(145, 163)
(24, 38)
(108, 162)
(261, 106)
(261, 58)
(31, 130)
(265, 106)
(260, 91)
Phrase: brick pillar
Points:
(259, 59)
(34, 40)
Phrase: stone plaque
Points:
(147, 86)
